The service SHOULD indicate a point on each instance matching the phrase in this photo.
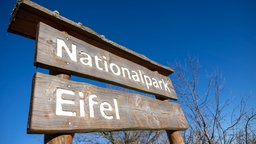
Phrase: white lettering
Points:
(127, 71)
(60, 101)
(104, 64)
(135, 76)
(91, 103)
(148, 81)
(61, 44)
(81, 102)
(166, 86)
(116, 109)
(117, 72)
(97, 59)
(160, 84)
(155, 83)
(141, 76)
(86, 60)
(105, 107)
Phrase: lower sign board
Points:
(59, 105)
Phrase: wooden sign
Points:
(59, 51)
(59, 105)
(64, 106)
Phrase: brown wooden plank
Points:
(54, 99)
(174, 136)
(86, 60)
(27, 14)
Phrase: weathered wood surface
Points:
(27, 14)
(128, 111)
(174, 136)
(59, 138)
(86, 60)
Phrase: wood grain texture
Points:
(136, 112)
(27, 14)
(46, 57)
(59, 138)
(174, 137)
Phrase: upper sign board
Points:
(26, 15)
(59, 105)
(60, 51)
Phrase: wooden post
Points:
(58, 138)
(174, 136)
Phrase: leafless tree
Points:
(211, 115)
(123, 137)
(250, 135)
(134, 137)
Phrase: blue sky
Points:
(222, 34)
